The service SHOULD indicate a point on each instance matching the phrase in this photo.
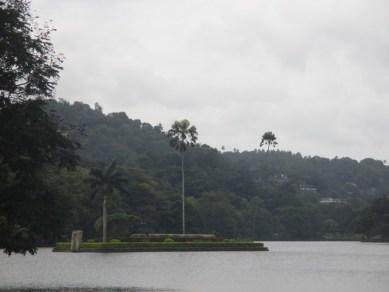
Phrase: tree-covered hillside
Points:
(252, 194)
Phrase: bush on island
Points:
(168, 240)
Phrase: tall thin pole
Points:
(183, 192)
(105, 219)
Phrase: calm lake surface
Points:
(288, 267)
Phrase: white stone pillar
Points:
(76, 240)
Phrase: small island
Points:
(161, 243)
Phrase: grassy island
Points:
(163, 246)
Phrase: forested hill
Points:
(266, 195)
(136, 144)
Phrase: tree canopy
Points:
(105, 182)
(269, 139)
(30, 139)
(29, 66)
(276, 195)
(182, 135)
(257, 194)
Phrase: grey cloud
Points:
(314, 72)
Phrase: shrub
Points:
(168, 240)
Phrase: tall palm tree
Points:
(269, 139)
(105, 181)
(182, 135)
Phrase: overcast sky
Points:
(314, 72)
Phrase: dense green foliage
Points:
(32, 147)
(252, 194)
(374, 221)
(104, 182)
(29, 66)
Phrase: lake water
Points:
(288, 267)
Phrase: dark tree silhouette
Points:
(29, 66)
(269, 139)
(29, 138)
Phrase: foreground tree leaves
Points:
(28, 64)
(30, 140)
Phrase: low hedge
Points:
(163, 246)
(156, 237)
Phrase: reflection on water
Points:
(288, 267)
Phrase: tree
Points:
(120, 224)
(29, 66)
(182, 135)
(104, 182)
(29, 138)
(374, 220)
(269, 139)
(219, 215)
